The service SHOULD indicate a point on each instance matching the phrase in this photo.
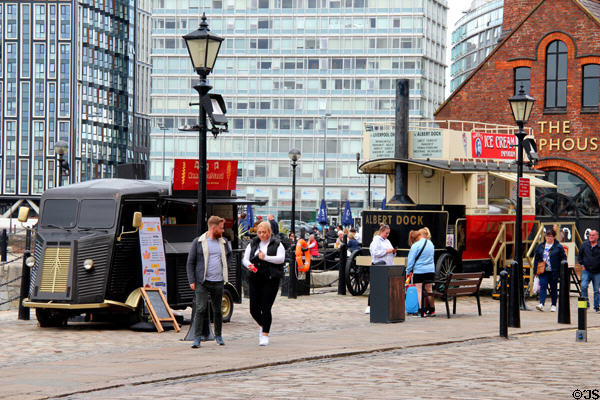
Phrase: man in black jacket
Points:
(589, 259)
(207, 267)
(274, 225)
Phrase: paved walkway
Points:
(479, 369)
(85, 358)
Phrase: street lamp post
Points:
(521, 106)
(294, 155)
(163, 128)
(369, 187)
(60, 149)
(203, 47)
(327, 115)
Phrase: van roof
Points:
(109, 188)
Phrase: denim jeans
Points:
(586, 277)
(545, 279)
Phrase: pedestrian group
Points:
(210, 256)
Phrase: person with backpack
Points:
(420, 263)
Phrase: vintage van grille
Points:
(38, 251)
(92, 283)
(55, 269)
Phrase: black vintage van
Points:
(86, 256)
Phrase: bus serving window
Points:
(60, 213)
(97, 213)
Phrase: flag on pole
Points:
(347, 219)
(322, 214)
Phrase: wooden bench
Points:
(455, 285)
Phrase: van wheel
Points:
(227, 305)
(49, 318)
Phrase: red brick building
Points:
(552, 48)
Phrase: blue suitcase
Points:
(412, 300)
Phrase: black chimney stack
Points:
(401, 150)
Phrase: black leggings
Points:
(263, 292)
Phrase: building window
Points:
(591, 86)
(556, 75)
(523, 79)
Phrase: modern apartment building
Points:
(304, 74)
(475, 34)
(69, 71)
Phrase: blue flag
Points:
(383, 204)
(249, 217)
(347, 217)
(322, 214)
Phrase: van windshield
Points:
(60, 213)
(97, 213)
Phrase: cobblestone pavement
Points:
(534, 366)
(84, 358)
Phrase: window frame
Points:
(516, 80)
(556, 80)
(589, 108)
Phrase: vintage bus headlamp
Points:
(88, 264)
(30, 261)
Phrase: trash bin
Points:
(387, 293)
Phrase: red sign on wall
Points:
(220, 174)
(524, 187)
(493, 145)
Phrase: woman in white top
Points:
(381, 248)
(264, 258)
(382, 252)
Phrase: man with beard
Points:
(207, 266)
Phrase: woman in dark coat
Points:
(552, 253)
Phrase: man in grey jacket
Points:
(207, 267)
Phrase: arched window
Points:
(556, 75)
(523, 78)
(590, 86)
(572, 197)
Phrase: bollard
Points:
(342, 269)
(581, 334)
(28, 240)
(514, 317)
(24, 313)
(293, 274)
(564, 308)
(503, 305)
(3, 245)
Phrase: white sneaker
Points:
(368, 310)
(540, 307)
(553, 309)
(260, 332)
(263, 340)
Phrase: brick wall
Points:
(515, 11)
(484, 97)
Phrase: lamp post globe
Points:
(521, 105)
(60, 149)
(203, 47)
(294, 155)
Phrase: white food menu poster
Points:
(154, 266)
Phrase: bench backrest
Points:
(459, 284)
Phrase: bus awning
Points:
(512, 177)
